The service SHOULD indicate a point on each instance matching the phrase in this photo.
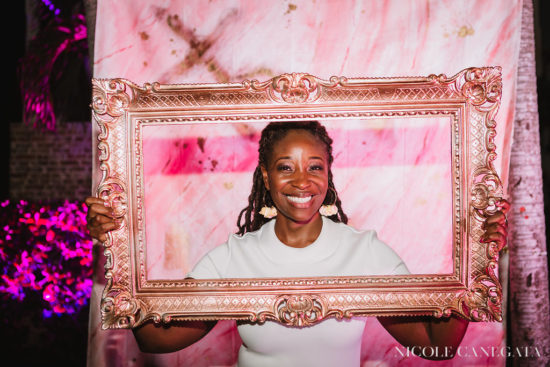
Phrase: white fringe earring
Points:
(268, 211)
(331, 209)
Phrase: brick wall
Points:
(51, 165)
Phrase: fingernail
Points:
(107, 204)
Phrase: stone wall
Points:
(51, 165)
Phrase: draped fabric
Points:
(198, 41)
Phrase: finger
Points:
(496, 228)
(498, 217)
(95, 234)
(101, 219)
(99, 231)
(100, 228)
(100, 236)
(96, 224)
(499, 238)
(107, 227)
(93, 200)
(95, 209)
(504, 205)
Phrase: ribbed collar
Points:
(324, 246)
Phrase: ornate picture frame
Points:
(469, 99)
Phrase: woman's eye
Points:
(317, 168)
(284, 167)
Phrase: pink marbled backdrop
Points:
(220, 41)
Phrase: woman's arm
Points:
(425, 331)
(152, 338)
(444, 333)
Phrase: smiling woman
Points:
(295, 262)
(293, 183)
(294, 176)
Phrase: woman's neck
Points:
(295, 234)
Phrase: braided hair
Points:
(260, 197)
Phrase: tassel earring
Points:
(268, 211)
(331, 209)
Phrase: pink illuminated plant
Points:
(45, 248)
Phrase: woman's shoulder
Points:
(248, 237)
(343, 229)
(237, 241)
(232, 258)
(374, 255)
(365, 240)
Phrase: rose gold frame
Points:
(471, 98)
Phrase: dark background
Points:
(71, 332)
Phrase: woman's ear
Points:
(264, 175)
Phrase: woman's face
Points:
(297, 176)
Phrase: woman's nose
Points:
(301, 180)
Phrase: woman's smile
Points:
(300, 201)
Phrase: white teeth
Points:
(300, 200)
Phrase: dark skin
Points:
(297, 177)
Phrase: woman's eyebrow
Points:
(289, 157)
(281, 158)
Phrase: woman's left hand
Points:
(496, 226)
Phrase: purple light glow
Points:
(51, 6)
(37, 67)
(46, 249)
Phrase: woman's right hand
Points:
(100, 218)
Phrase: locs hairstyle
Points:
(259, 196)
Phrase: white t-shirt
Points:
(340, 250)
